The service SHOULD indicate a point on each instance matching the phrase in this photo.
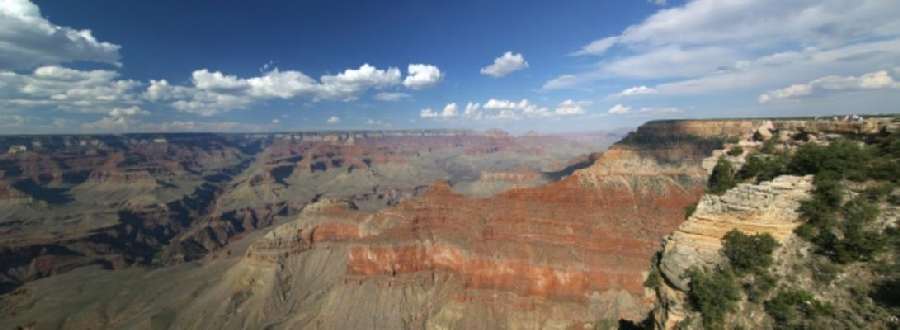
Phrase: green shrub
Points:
(748, 253)
(768, 147)
(829, 189)
(858, 243)
(736, 151)
(793, 309)
(713, 294)
(879, 192)
(762, 284)
(763, 167)
(843, 157)
(722, 177)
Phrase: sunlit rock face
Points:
(768, 207)
(566, 254)
(71, 201)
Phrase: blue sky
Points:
(137, 66)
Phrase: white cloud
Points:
(869, 81)
(505, 64)
(11, 121)
(619, 109)
(203, 79)
(473, 111)
(378, 123)
(506, 109)
(807, 22)
(58, 88)
(333, 120)
(659, 111)
(494, 109)
(193, 126)
(569, 108)
(28, 40)
(450, 111)
(658, 2)
(562, 82)
(638, 90)
(422, 76)
(672, 62)
(213, 92)
(350, 83)
(276, 121)
(391, 97)
(708, 46)
(118, 119)
(597, 47)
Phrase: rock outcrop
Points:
(768, 207)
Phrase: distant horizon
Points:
(445, 129)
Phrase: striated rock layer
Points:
(569, 254)
(563, 255)
(768, 207)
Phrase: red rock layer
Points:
(570, 240)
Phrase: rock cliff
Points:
(769, 207)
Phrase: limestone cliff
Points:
(769, 207)
(772, 207)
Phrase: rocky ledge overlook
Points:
(769, 207)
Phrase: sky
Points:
(111, 66)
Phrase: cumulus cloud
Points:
(422, 76)
(58, 88)
(118, 119)
(869, 81)
(450, 111)
(350, 83)
(619, 109)
(506, 109)
(213, 92)
(391, 97)
(507, 63)
(569, 108)
(659, 111)
(708, 46)
(333, 120)
(28, 40)
(637, 90)
(203, 79)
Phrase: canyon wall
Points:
(568, 254)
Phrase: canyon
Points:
(387, 230)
